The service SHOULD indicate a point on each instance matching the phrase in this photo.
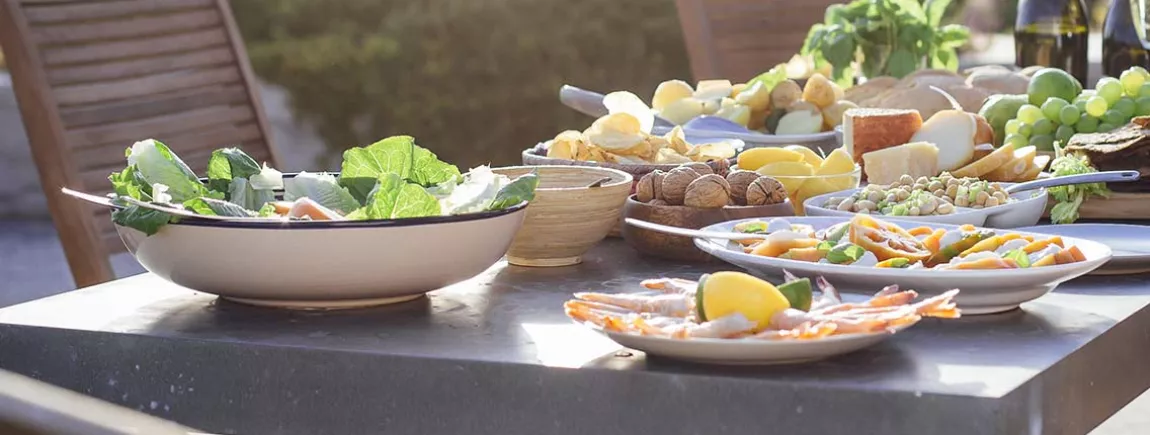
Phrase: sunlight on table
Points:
(567, 345)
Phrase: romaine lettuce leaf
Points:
(522, 189)
(158, 164)
(244, 194)
(227, 164)
(131, 183)
(322, 188)
(395, 198)
(145, 220)
(216, 207)
(364, 167)
(267, 179)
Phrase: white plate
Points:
(1129, 243)
(983, 291)
(1026, 210)
(747, 351)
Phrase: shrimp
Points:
(677, 305)
(671, 285)
(646, 324)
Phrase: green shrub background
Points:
(475, 81)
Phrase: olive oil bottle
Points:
(1124, 37)
(1052, 33)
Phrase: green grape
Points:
(1081, 105)
(1113, 117)
(1141, 71)
(1086, 94)
(1144, 90)
(1044, 142)
(1087, 124)
(1029, 113)
(1044, 126)
(1131, 81)
(1016, 141)
(1104, 127)
(1095, 106)
(1012, 126)
(1063, 133)
(1053, 107)
(1110, 89)
(1143, 106)
(1069, 115)
(1025, 129)
(1126, 106)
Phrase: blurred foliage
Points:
(475, 81)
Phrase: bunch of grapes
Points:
(1111, 104)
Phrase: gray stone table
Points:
(495, 355)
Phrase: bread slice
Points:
(866, 129)
(1020, 162)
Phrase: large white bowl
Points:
(324, 264)
(1026, 210)
(982, 291)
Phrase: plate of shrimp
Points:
(666, 319)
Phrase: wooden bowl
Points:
(683, 248)
(566, 218)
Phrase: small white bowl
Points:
(326, 264)
(1026, 210)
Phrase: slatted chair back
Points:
(738, 39)
(91, 77)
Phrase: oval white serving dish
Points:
(982, 291)
(1026, 210)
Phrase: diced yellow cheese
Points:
(918, 159)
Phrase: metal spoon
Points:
(698, 234)
(599, 182)
(107, 202)
(591, 103)
(1093, 177)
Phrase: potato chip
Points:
(756, 96)
(567, 145)
(642, 149)
(677, 140)
(615, 132)
(670, 156)
(711, 151)
(631, 104)
(629, 160)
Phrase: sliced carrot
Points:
(920, 231)
(988, 263)
(775, 249)
(1039, 245)
(1048, 260)
(932, 241)
(1076, 253)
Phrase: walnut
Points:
(722, 167)
(675, 184)
(766, 191)
(658, 202)
(650, 186)
(739, 181)
(708, 191)
(701, 168)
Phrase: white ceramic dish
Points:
(983, 291)
(1026, 210)
(747, 351)
(326, 265)
(1130, 244)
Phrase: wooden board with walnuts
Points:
(697, 185)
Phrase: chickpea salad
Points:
(933, 196)
(869, 242)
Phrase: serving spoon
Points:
(1093, 177)
(107, 202)
(591, 103)
(698, 234)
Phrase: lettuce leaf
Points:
(216, 207)
(244, 194)
(322, 188)
(145, 220)
(158, 164)
(228, 164)
(363, 168)
(520, 190)
(395, 198)
(131, 183)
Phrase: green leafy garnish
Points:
(268, 210)
(1070, 197)
(894, 37)
(1019, 256)
(757, 227)
(845, 254)
(520, 190)
(159, 165)
(228, 164)
(771, 78)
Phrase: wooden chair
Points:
(738, 39)
(92, 77)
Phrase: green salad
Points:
(390, 179)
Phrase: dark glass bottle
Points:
(1124, 38)
(1052, 33)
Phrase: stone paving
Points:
(32, 263)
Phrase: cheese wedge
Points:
(991, 162)
(866, 130)
(953, 132)
(885, 166)
(1019, 163)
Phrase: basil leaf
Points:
(845, 254)
(520, 190)
(227, 164)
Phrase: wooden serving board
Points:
(1126, 206)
